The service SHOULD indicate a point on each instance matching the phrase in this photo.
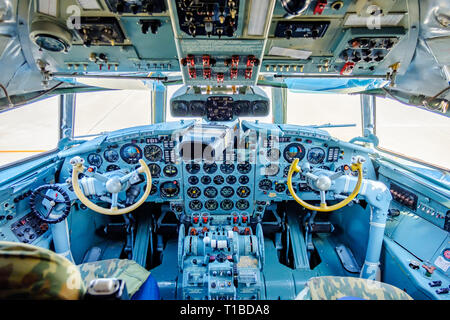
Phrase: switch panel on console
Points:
(29, 228)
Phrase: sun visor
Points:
(343, 85)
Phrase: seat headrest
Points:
(30, 272)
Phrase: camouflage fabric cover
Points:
(332, 288)
(132, 273)
(30, 272)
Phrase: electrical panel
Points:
(234, 69)
(364, 49)
(301, 29)
(208, 17)
(29, 228)
(100, 31)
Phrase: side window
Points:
(29, 130)
(106, 111)
(413, 132)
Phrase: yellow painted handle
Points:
(114, 211)
(323, 207)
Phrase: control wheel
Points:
(260, 237)
(181, 236)
(50, 203)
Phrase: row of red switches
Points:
(207, 61)
(236, 219)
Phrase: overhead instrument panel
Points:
(136, 6)
(337, 37)
(208, 18)
(220, 43)
(224, 43)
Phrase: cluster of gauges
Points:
(200, 108)
(292, 151)
(213, 205)
(195, 191)
(225, 168)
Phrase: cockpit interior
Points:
(225, 149)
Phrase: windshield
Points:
(324, 108)
(97, 112)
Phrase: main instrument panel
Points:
(243, 181)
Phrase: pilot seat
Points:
(30, 272)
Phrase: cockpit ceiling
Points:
(226, 42)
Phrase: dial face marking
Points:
(244, 168)
(210, 168)
(227, 204)
(227, 168)
(153, 153)
(193, 168)
(293, 151)
(211, 192)
(211, 205)
(242, 204)
(243, 192)
(170, 171)
(131, 153)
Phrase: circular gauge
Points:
(218, 180)
(231, 179)
(244, 179)
(271, 170)
(243, 192)
(227, 192)
(112, 167)
(242, 204)
(273, 154)
(294, 150)
(446, 254)
(244, 168)
(206, 180)
(286, 172)
(153, 190)
(280, 187)
(227, 168)
(194, 192)
(316, 155)
(111, 155)
(210, 168)
(195, 205)
(51, 43)
(131, 153)
(95, 160)
(227, 204)
(169, 189)
(153, 153)
(211, 205)
(193, 180)
(193, 168)
(211, 192)
(155, 170)
(265, 184)
(170, 170)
